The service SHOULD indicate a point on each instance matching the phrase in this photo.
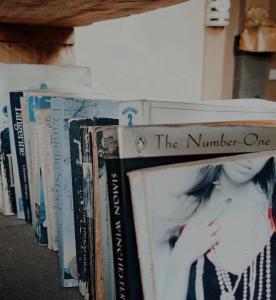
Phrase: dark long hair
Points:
(202, 190)
(210, 174)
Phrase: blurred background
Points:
(172, 54)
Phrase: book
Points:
(143, 112)
(129, 149)
(40, 219)
(19, 147)
(9, 206)
(84, 211)
(39, 158)
(62, 111)
(44, 129)
(18, 77)
(174, 205)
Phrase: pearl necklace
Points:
(227, 291)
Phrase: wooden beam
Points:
(36, 45)
(36, 34)
(71, 13)
(29, 53)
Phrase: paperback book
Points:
(34, 185)
(143, 112)
(128, 149)
(87, 241)
(44, 130)
(9, 206)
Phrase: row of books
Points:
(66, 155)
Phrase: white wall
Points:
(157, 55)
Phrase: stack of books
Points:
(141, 199)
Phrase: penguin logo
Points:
(140, 144)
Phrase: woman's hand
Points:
(194, 241)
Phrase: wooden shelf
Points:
(36, 44)
(261, 39)
(71, 13)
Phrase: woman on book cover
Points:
(223, 245)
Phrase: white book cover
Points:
(37, 134)
(33, 164)
(27, 76)
(204, 229)
(5, 207)
(34, 183)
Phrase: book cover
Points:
(205, 229)
(128, 149)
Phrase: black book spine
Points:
(88, 234)
(79, 202)
(7, 165)
(17, 121)
(117, 227)
(126, 265)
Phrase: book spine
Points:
(78, 189)
(10, 205)
(126, 265)
(16, 113)
(101, 196)
(18, 193)
(117, 228)
(42, 229)
(45, 160)
(28, 133)
(57, 129)
(88, 195)
(39, 197)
